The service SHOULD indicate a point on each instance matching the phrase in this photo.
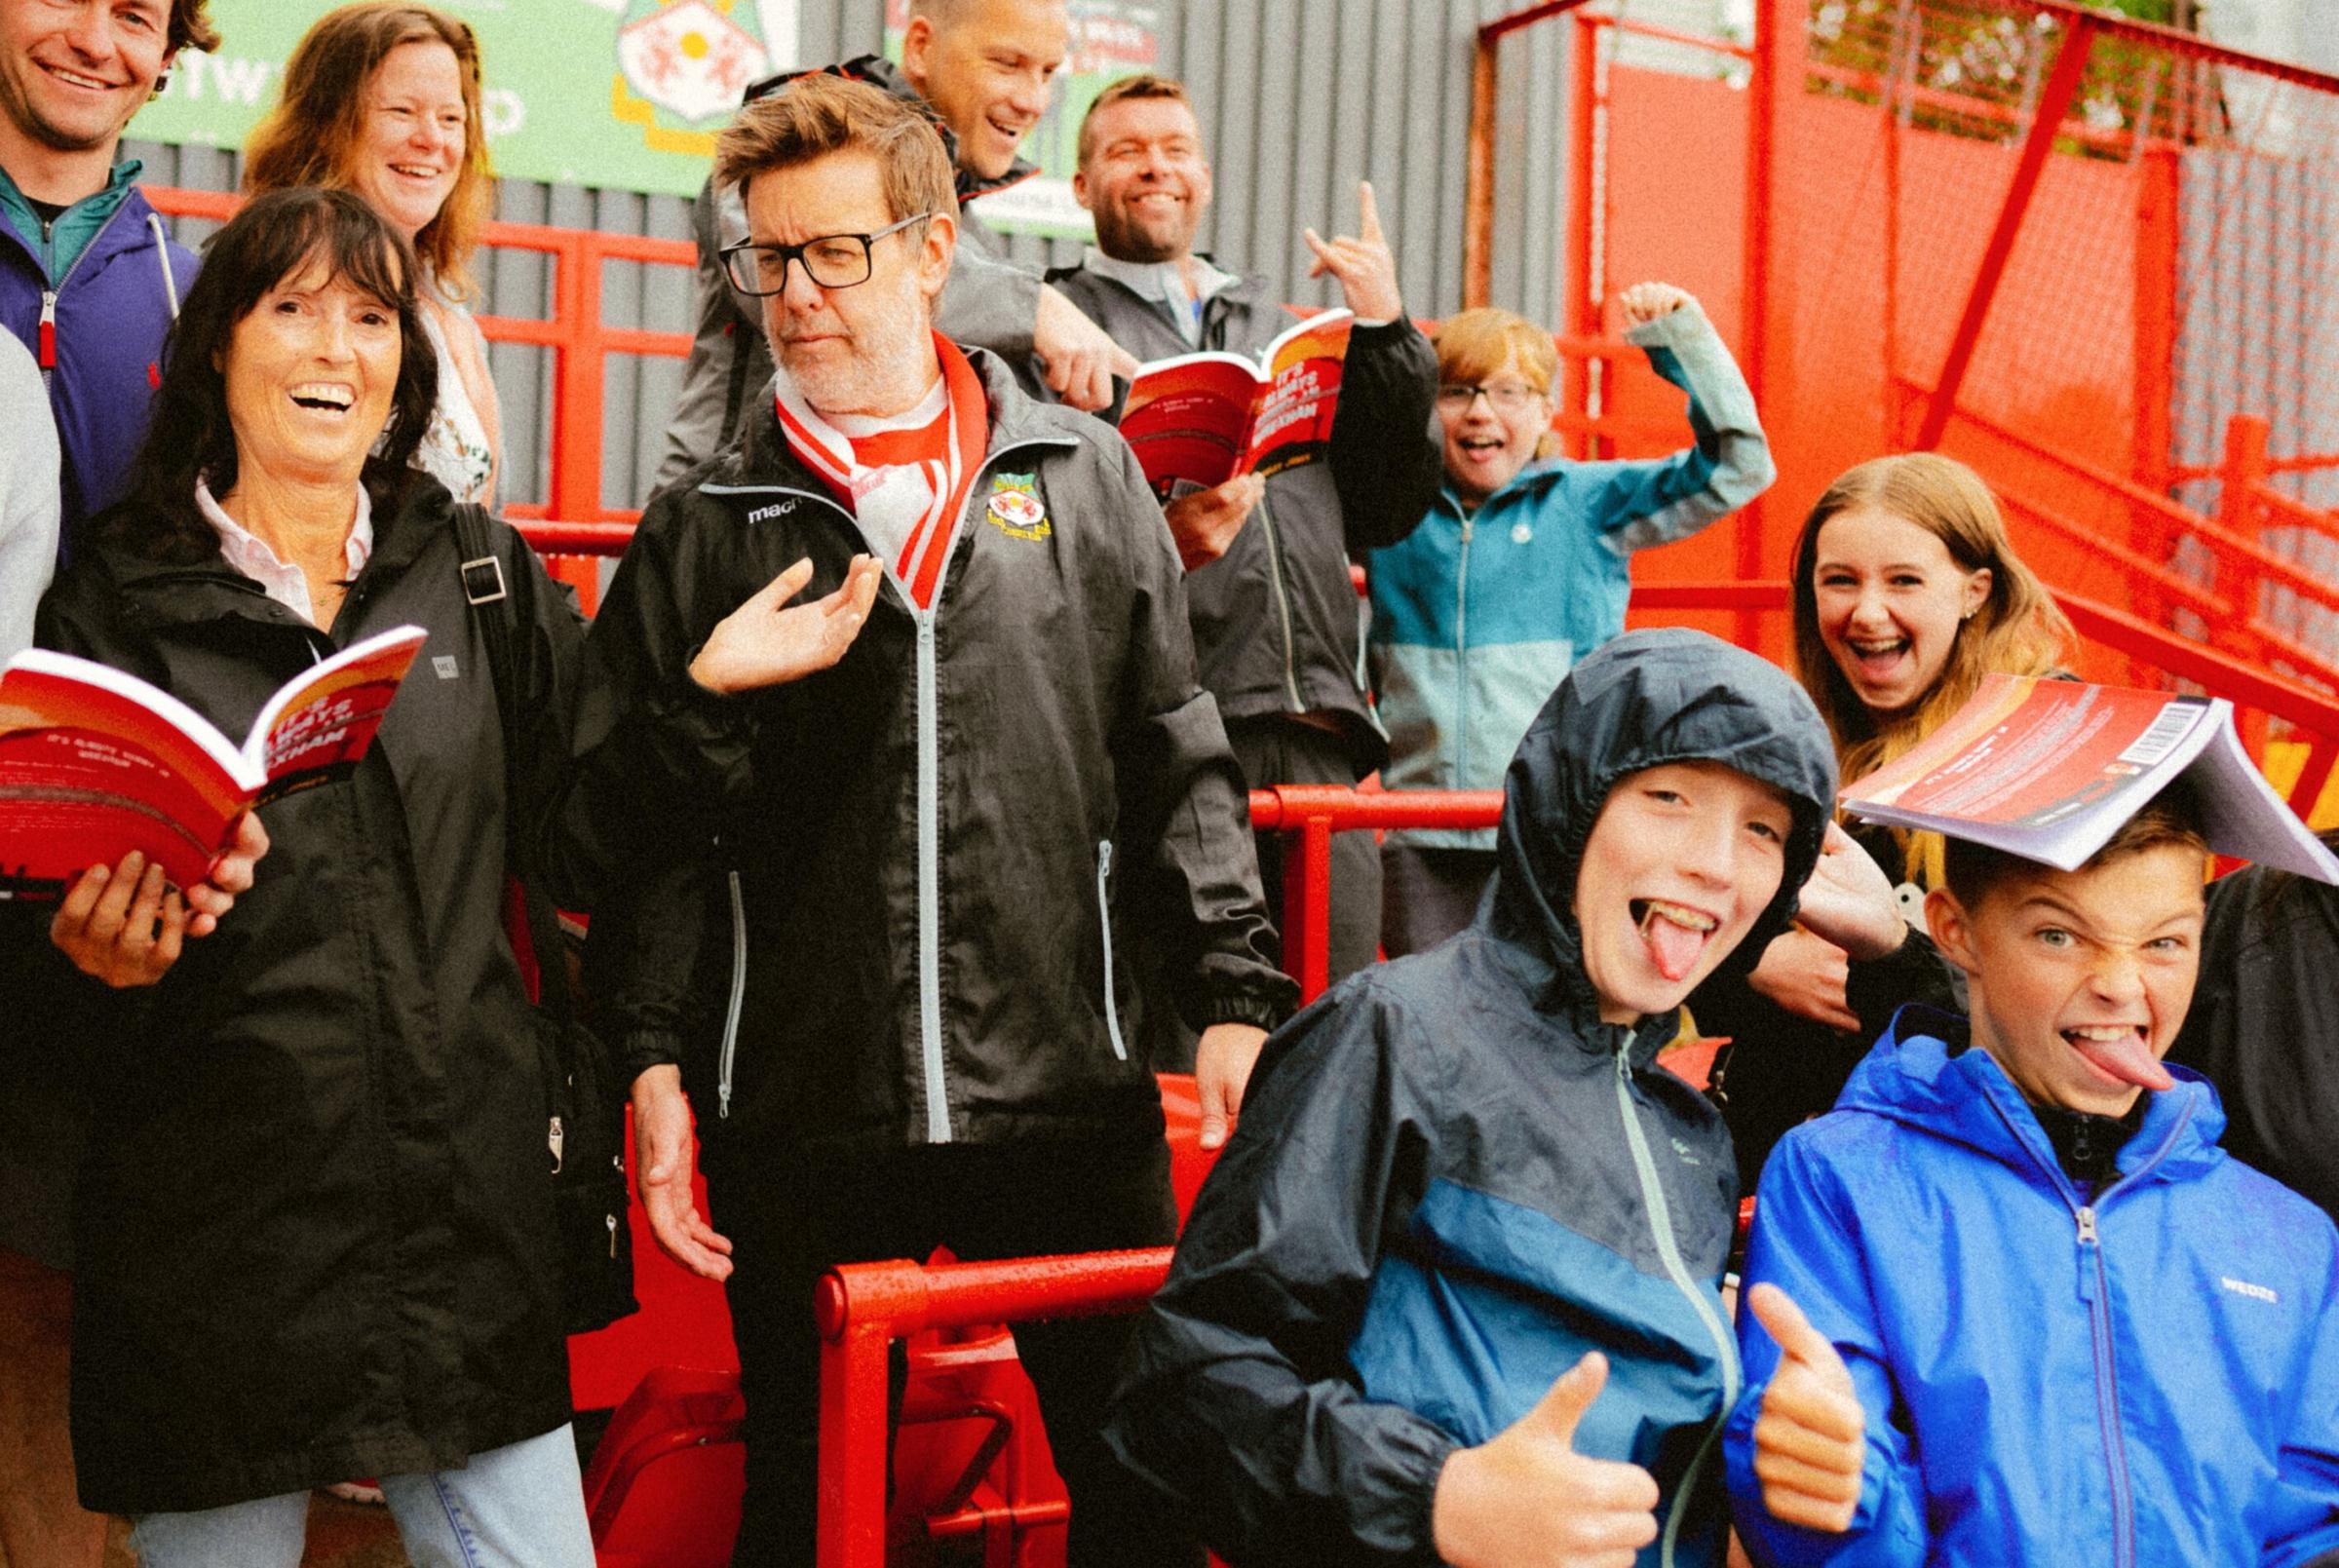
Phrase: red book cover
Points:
(94, 763)
(1198, 420)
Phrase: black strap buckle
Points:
(484, 580)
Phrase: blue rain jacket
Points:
(2149, 1380)
(1451, 1179)
(1475, 617)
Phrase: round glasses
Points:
(1506, 398)
(829, 260)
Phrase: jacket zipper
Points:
(1661, 1225)
(1461, 656)
(48, 344)
(1282, 606)
(1105, 918)
(739, 995)
(2095, 1289)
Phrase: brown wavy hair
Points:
(2017, 631)
(312, 135)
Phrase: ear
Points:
(917, 50)
(1080, 189)
(934, 250)
(1952, 929)
(1977, 591)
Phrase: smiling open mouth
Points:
(2119, 1050)
(1676, 935)
(331, 398)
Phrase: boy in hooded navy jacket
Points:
(2071, 1328)
(1451, 1293)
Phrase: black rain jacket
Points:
(314, 1230)
(2265, 1025)
(928, 856)
(1451, 1179)
(1276, 621)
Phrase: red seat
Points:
(665, 1483)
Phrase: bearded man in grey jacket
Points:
(1275, 617)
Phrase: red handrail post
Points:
(2053, 103)
(854, 1454)
(2243, 470)
(1308, 904)
(577, 430)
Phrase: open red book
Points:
(94, 763)
(2049, 769)
(1200, 419)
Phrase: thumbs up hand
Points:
(1810, 1438)
(1526, 1499)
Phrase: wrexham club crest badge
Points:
(1015, 510)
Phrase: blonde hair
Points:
(819, 114)
(2017, 631)
(312, 136)
(1477, 343)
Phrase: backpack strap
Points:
(496, 615)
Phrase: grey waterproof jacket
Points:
(990, 300)
(929, 855)
(1277, 622)
(1452, 1179)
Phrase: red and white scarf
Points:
(923, 473)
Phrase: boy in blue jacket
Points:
(2072, 1329)
(1451, 1292)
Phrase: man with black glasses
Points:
(905, 826)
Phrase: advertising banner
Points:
(626, 94)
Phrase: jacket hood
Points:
(1642, 701)
(1924, 1074)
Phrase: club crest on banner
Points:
(683, 65)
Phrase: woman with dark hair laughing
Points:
(315, 1233)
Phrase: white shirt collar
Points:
(282, 582)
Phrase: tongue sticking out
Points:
(1674, 947)
(2126, 1059)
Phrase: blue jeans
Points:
(516, 1506)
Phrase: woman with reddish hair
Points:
(383, 100)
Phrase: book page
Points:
(1185, 419)
(318, 727)
(1294, 421)
(94, 763)
(2245, 818)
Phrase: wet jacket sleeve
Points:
(1638, 505)
(1183, 799)
(1237, 1403)
(1807, 1242)
(2307, 1529)
(708, 401)
(1386, 462)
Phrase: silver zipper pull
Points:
(612, 1222)
(555, 1139)
(2087, 1227)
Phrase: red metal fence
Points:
(2093, 257)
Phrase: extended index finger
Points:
(1778, 1313)
(1368, 215)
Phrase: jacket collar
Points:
(1536, 475)
(185, 594)
(759, 457)
(1924, 1074)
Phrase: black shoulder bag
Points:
(585, 1135)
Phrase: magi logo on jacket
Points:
(1015, 508)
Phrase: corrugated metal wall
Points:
(1299, 99)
